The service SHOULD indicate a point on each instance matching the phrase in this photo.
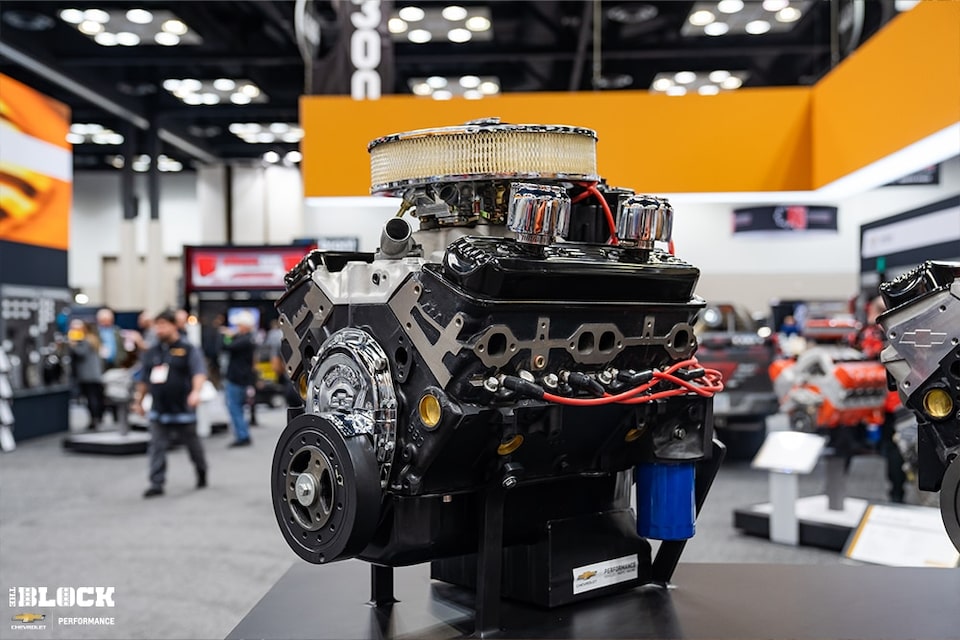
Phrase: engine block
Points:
(545, 355)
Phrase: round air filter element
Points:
(482, 150)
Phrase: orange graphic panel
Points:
(35, 167)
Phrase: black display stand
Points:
(812, 533)
(708, 601)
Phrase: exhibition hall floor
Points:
(191, 563)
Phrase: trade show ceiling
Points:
(222, 79)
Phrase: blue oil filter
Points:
(666, 506)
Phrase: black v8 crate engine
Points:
(485, 393)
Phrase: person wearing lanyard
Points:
(173, 372)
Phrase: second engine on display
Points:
(531, 341)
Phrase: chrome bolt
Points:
(306, 488)
(551, 381)
(491, 384)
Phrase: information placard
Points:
(902, 536)
(789, 452)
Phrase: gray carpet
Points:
(192, 563)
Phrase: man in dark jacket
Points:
(173, 372)
(240, 347)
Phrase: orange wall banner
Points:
(898, 88)
(36, 167)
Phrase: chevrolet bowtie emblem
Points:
(28, 618)
(923, 338)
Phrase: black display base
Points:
(108, 443)
(817, 527)
(40, 413)
(709, 601)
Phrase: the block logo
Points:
(37, 597)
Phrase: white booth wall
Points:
(268, 208)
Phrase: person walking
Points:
(238, 343)
(173, 372)
(88, 368)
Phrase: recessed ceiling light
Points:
(774, 5)
(442, 94)
(171, 84)
(733, 82)
(271, 157)
(469, 82)
(293, 157)
(788, 14)
(239, 98)
(167, 39)
(73, 16)
(729, 6)
(265, 137)
(210, 98)
(757, 27)
(190, 85)
(472, 94)
(97, 15)
(489, 88)
(716, 28)
(708, 90)
(105, 39)
(139, 16)
(279, 127)
(75, 138)
(292, 136)
(251, 90)
(176, 27)
(437, 82)
(128, 39)
(192, 99)
(421, 89)
(477, 23)
(662, 84)
(676, 91)
(411, 14)
(719, 75)
(684, 77)
(454, 13)
(397, 25)
(224, 84)
(90, 27)
(419, 36)
(459, 35)
(701, 18)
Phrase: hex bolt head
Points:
(680, 433)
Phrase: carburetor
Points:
(922, 357)
(484, 393)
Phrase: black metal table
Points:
(706, 601)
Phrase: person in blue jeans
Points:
(239, 345)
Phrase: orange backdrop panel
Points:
(750, 140)
(35, 206)
(901, 86)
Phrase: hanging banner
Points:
(36, 167)
(792, 218)
(361, 62)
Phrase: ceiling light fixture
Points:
(437, 82)
(411, 14)
(192, 99)
(239, 98)
(191, 84)
(105, 39)
(489, 88)
(719, 75)
(459, 35)
(708, 90)
(224, 84)
(684, 77)
(210, 99)
(128, 39)
(701, 18)
(75, 138)
(97, 15)
(478, 23)
(251, 90)
(733, 82)
(676, 91)
(73, 16)
(662, 84)
(397, 25)
(470, 82)
(442, 94)
(176, 27)
(167, 39)
(90, 27)
(716, 29)
(788, 14)
(472, 94)
(757, 27)
(272, 157)
(293, 157)
(139, 16)
(421, 89)
(454, 13)
(419, 36)
(730, 6)
(775, 5)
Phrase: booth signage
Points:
(785, 218)
(228, 268)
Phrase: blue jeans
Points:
(236, 399)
